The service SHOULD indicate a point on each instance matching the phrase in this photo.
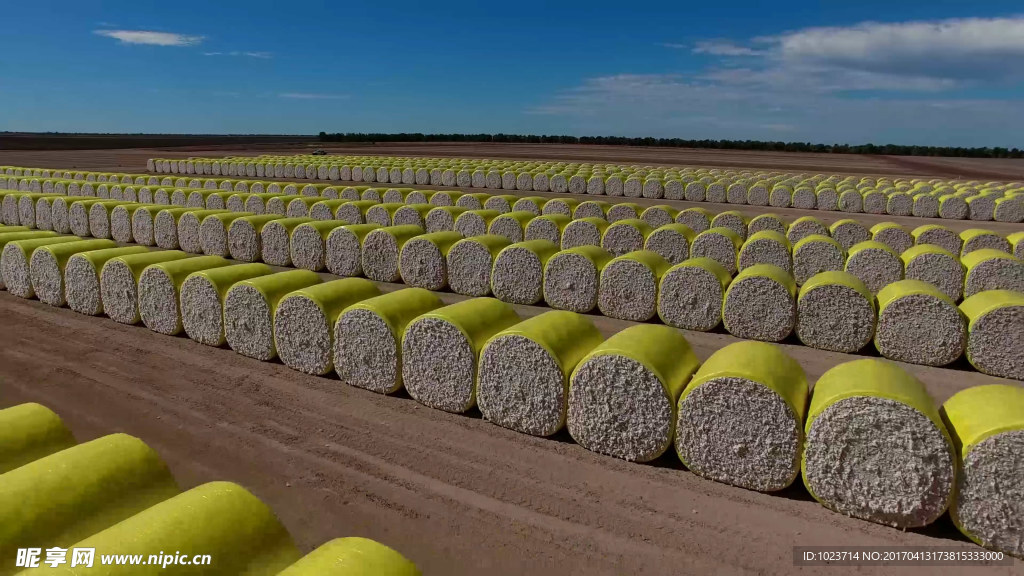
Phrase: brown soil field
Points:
(454, 493)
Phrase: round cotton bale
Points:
(876, 447)
(473, 201)
(59, 215)
(760, 304)
(740, 418)
(15, 261)
(324, 209)
(953, 207)
(989, 269)
(119, 280)
(875, 264)
(595, 185)
(577, 184)
(919, 324)
(848, 233)
(988, 434)
(121, 222)
(851, 201)
(892, 235)
(304, 322)
(412, 214)
(658, 216)
(549, 227)
(244, 238)
(382, 214)
(442, 218)
(299, 207)
(99, 218)
(981, 207)
(719, 244)
(518, 272)
(766, 247)
(572, 278)
(159, 289)
(732, 220)
(938, 236)
(249, 309)
(995, 333)
(827, 199)
(202, 299)
(354, 212)
(625, 236)
(47, 266)
(470, 262)
(27, 209)
(584, 232)
(218, 200)
(275, 240)
(623, 394)
(1016, 240)
(691, 293)
(355, 194)
(1009, 210)
(352, 556)
(236, 202)
(628, 286)
(696, 219)
(511, 225)
(804, 227)
(781, 196)
(475, 222)
(85, 488)
(44, 213)
(194, 198)
(213, 232)
(977, 239)
(343, 249)
(29, 432)
(441, 350)
(757, 194)
(423, 260)
(227, 518)
(368, 338)
(592, 209)
(735, 194)
(932, 264)
(165, 227)
(261, 203)
(835, 312)
(189, 226)
(533, 204)
(899, 204)
(501, 203)
(815, 254)
(541, 182)
(561, 206)
(78, 216)
(381, 250)
(671, 241)
(769, 222)
(624, 211)
(524, 370)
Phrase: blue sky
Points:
(908, 72)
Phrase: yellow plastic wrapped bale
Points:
(119, 280)
(518, 272)
(986, 424)
(368, 337)
(47, 268)
(250, 306)
(423, 260)
(978, 239)
(304, 322)
(562, 206)
(623, 394)
(625, 235)
(572, 278)
(719, 244)
(29, 432)
(934, 265)
(953, 207)
(584, 232)
(470, 262)
(760, 304)
(344, 247)
(628, 287)
(502, 203)
(995, 332)
(766, 222)
(835, 312)
(299, 207)
(44, 212)
(732, 220)
(82, 277)
(766, 247)
(245, 241)
(989, 269)
(260, 203)
(805, 226)
(624, 211)
(659, 215)
(876, 448)
(1016, 241)
(592, 209)
(239, 533)
(740, 419)
(875, 264)
(143, 217)
(325, 209)
(549, 227)
(475, 222)
(511, 225)
(816, 254)
(919, 324)
(381, 251)
(696, 219)
(524, 371)
(202, 299)
(442, 218)
(159, 289)
(672, 242)
(81, 490)
(413, 214)
(892, 235)
(213, 232)
(691, 294)
(352, 557)
(16, 257)
(441, 350)
(938, 236)
(473, 201)
(275, 240)
(189, 227)
(532, 204)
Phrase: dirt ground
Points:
(454, 493)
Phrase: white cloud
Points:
(150, 38)
(673, 45)
(262, 55)
(312, 96)
(724, 48)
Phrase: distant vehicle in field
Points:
(319, 152)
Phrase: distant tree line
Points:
(888, 149)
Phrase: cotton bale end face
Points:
(623, 394)
(766, 247)
(815, 254)
(719, 244)
(760, 304)
(691, 294)
(470, 262)
(16, 259)
(875, 264)
(572, 278)
(275, 240)
(936, 266)
(584, 232)
(532, 360)
(672, 242)
(804, 227)
(160, 289)
(202, 299)
(119, 279)
(892, 235)
(919, 324)
(977, 239)
(995, 332)
(733, 221)
(876, 448)
(628, 288)
(696, 219)
(518, 272)
(938, 236)
(423, 260)
(381, 250)
(740, 418)
(48, 265)
(249, 309)
(835, 312)
(625, 236)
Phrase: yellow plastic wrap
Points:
(29, 432)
